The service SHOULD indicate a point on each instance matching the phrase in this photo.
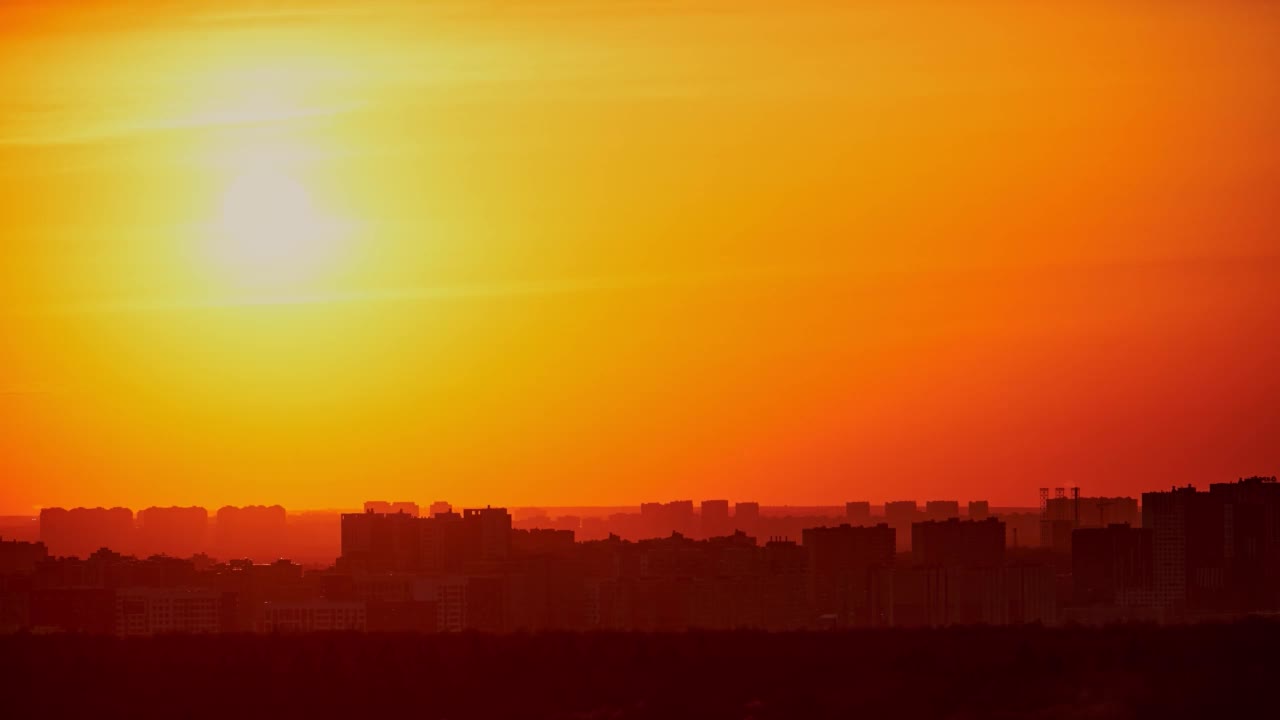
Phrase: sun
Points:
(272, 228)
(269, 233)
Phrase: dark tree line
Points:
(1117, 672)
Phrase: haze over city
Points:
(639, 359)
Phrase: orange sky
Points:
(599, 252)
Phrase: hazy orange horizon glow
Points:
(584, 252)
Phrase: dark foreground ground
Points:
(1212, 671)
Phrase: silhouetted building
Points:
(177, 531)
(440, 507)
(387, 508)
(1021, 529)
(1102, 511)
(958, 543)
(857, 512)
(449, 595)
(408, 508)
(1112, 566)
(81, 531)
(401, 616)
(254, 531)
(313, 616)
(746, 517)
(21, 558)
(841, 564)
(313, 537)
(1064, 514)
(492, 530)
(1032, 594)
(900, 514)
(785, 588)
(941, 509)
(445, 542)
(89, 610)
(1216, 552)
(937, 595)
(662, 519)
(486, 604)
(381, 542)
(979, 510)
(542, 521)
(901, 511)
(1251, 543)
(715, 518)
(1187, 545)
(542, 542)
(146, 611)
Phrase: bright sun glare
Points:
(269, 232)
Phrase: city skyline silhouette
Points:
(1177, 556)
(639, 359)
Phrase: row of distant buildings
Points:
(179, 531)
(471, 571)
(269, 532)
(1050, 526)
(1181, 555)
(265, 532)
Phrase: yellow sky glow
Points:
(600, 252)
